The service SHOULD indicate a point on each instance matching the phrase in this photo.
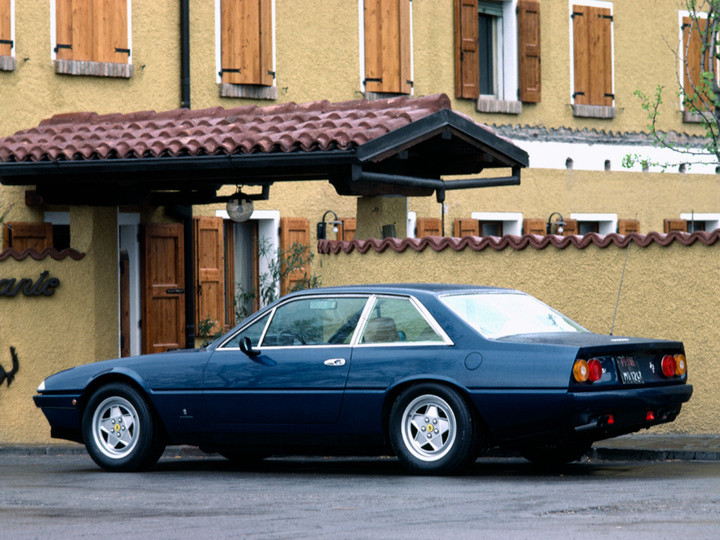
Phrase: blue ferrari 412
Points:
(431, 373)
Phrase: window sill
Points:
(93, 69)
(8, 63)
(697, 117)
(594, 111)
(251, 91)
(498, 106)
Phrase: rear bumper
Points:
(599, 415)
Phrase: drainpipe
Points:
(185, 54)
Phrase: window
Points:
(592, 52)
(397, 320)
(7, 39)
(60, 222)
(701, 221)
(387, 44)
(597, 223)
(696, 97)
(92, 38)
(497, 53)
(500, 222)
(246, 49)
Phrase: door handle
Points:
(335, 362)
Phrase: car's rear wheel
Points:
(120, 430)
(432, 430)
(555, 454)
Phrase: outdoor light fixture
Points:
(239, 207)
(322, 226)
(559, 224)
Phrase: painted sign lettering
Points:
(43, 286)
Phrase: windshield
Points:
(497, 315)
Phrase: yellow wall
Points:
(668, 293)
(76, 325)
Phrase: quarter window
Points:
(394, 320)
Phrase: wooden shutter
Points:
(209, 271)
(534, 226)
(466, 227)
(428, 227)
(467, 70)
(347, 228)
(627, 226)
(21, 236)
(693, 67)
(163, 272)
(571, 227)
(294, 231)
(92, 30)
(529, 51)
(246, 42)
(387, 46)
(592, 46)
(5, 28)
(674, 225)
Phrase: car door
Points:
(298, 368)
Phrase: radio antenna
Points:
(622, 277)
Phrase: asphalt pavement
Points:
(634, 447)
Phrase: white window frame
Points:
(711, 220)
(607, 223)
(361, 32)
(506, 55)
(53, 30)
(681, 53)
(218, 42)
(590, 3)
(128, 231)
(511, 221)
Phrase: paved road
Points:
(66, 496)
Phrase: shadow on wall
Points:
(10, 375)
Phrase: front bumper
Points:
(63, 414)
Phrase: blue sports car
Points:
(433, 374)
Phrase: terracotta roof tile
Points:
(286, 127)
(499, 243)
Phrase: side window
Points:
(314, 321)
(254, 332)
(394, 320)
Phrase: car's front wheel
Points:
(119, 429)
(432, 430)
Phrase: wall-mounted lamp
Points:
(239, 207)
(559, 224)
(322, 226)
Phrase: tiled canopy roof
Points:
(288, 127)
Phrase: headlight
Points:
(41, 388)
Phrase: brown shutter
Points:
(529, 51)
(163, 288)
(534, 226)
(466, 227)
(592, 44)
(293, 231)
(92, 30)
(346, 230)
(571, 227)
(111, 36)
(692, 52)
(428, 227)
(209, 271)
(627, 226)
(5, 28)
(246, 42)
(63, 29)
(674, 225)
(21, 236)
(467, 69)
(387, 46)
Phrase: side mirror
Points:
(246, 347)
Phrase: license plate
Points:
(629, 370)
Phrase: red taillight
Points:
(595, 370)
(650, 416)
(668, 365)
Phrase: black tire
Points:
(120, 431)
(555, 454)
(432, 430)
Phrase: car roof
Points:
(404, 288)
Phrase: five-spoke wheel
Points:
(432, 430)
(119, 429)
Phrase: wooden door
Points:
(163, 320)
(294, 231)
(210, 272)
